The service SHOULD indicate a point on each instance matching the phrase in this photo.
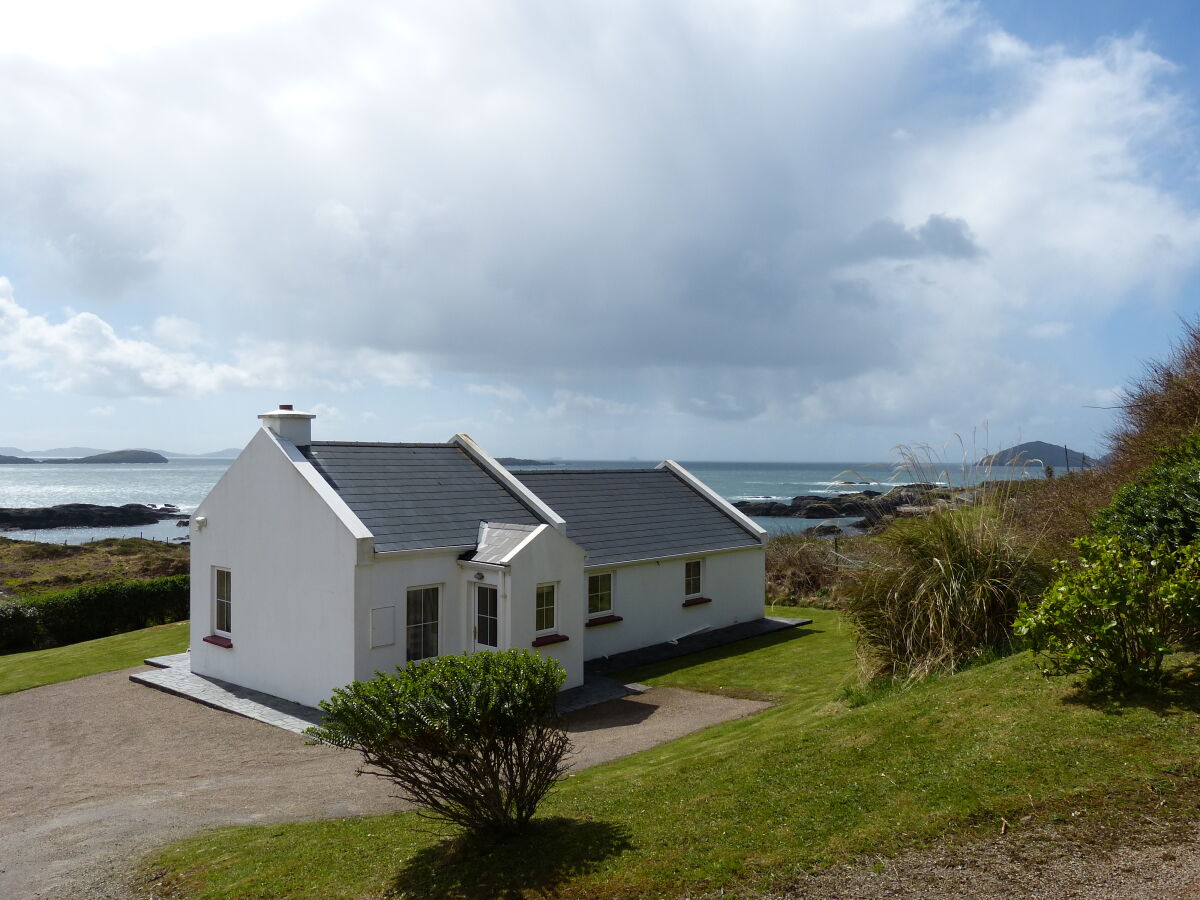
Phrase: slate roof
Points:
(417, 496)
(622, 515)
(497, 540)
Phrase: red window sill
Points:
(219, 641)
(697, 601)
(604, 620)
(547, 639)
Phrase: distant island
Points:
(517, 461)
(115, 456)
(1055, 455)
(77, 452)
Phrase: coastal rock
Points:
(872, 506)
(81, 515)
(828, 530)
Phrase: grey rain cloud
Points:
(939, 236)
(635, 200)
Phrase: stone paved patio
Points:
(174, 675)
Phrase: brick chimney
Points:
(290, 424)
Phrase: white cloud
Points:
(504, 392)
(1050, 330)
(744, 212)
(84, 354)
(102, 411)
(176, 331)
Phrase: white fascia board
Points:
(485, 459)
(508, 557)
(361, 534)
(716, 499)
(475, 564)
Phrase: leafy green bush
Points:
(475, 740)
(1116, 615)
(940, 591)
(67, 617)
(18, 627)
(1161, 507)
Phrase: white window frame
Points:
(553, 585)
(410, 625)
(595, 614)
(699, 563)
(217, 600)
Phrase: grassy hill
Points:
(30, 567)
(751, 805)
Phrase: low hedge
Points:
(82, 614)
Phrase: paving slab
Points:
(174, 675)
(693, 643)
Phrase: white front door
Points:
(487, 617)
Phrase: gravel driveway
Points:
(98, 771)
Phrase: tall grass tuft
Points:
(1159, 409)
(801, 570)
(938, 592)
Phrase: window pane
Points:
(544, 608)
(422, 622)
(486, 618)
(600, 593)
(224, 602)
(691, 577)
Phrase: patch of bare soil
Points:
(98, 771)
(1142, 853)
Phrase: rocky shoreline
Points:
(85, 515)
(874, 508)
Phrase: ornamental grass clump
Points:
(1116, 614)
(940, 592)
(473, 740)
(801, 570)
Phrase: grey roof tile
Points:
(417, 496)
(623, 515)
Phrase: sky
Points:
(604, 229)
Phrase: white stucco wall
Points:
(649, 598)
(292, 561)
(547, 557)
(385, 584)
(550, 558)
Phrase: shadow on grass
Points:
(727, 651)
(552, 852)
(1180, 694)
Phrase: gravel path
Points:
(98, 771)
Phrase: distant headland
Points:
(1035, 452)
(115, 456)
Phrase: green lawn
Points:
(21, 671)
(748, 805)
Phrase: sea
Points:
(185, 482)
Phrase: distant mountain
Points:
(12, 451)
(6, 460)
(216, 454)
(115, 456)
(60, 452)
(1033, 452)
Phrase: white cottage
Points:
(316, 563)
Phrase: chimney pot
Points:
(290, 424)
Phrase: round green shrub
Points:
(475, 740)
(1115, 615)
(1161, 507)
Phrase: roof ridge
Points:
(519, 471)
(420, 444)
